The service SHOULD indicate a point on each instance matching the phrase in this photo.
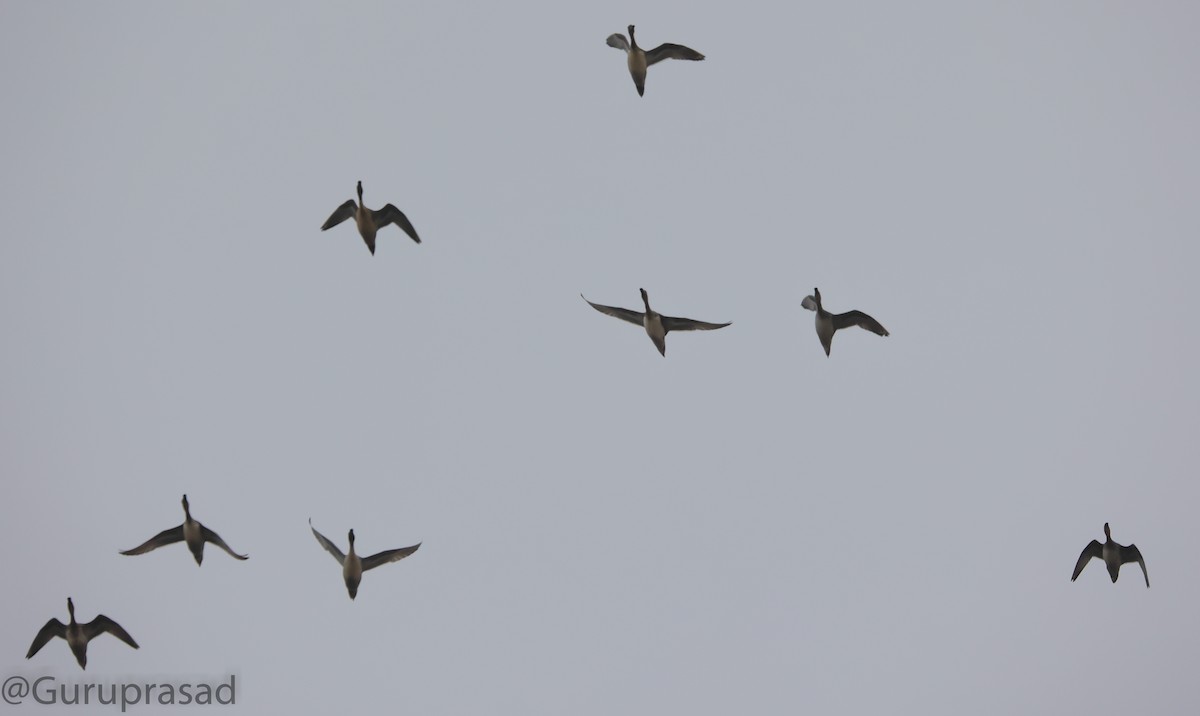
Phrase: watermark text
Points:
(48, 690)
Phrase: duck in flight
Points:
(639, 59)
(657, 325)
(829, 323)
(78, 635)
(353, 565)
(191, 533)
(370, 221)
(1113, 554)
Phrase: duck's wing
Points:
(213, 537)
(668, 51)
(52, 629)
(1094, 549)
(329, 546)
(618, 41)
(687, 324)
(858, 318)
(809, 302)
(166, 537)
(389, 214)
(391, 555)
(1133, 554)
(623, 313)
(345, 211)
(102, 624)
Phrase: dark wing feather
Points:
(102, 624)
(1094, 549)
(687, 324)
(389, 214)
(166, 537)
(618, 41)
(1133, 554)
(624, 314)
(668, 51)
(345, 211)
(213, 537)
(329, 546)
(391, 555)
(52, 629)
(858, 318)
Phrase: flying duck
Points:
(370, 220)
(353, 565)
(1113, 554)
(829, 323)
(78, 635)
(657, 325)
(190, 532)
(639, 59)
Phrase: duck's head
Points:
(816, 296)
(351, 538)
(645, 298)
(359, 191)
(630, 28)
(1107, 533)
(71, 608)
(186, 509)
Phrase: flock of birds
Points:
(194, 534)
(657, 326)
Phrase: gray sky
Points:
(745, 526)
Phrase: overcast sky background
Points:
(745, 526)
